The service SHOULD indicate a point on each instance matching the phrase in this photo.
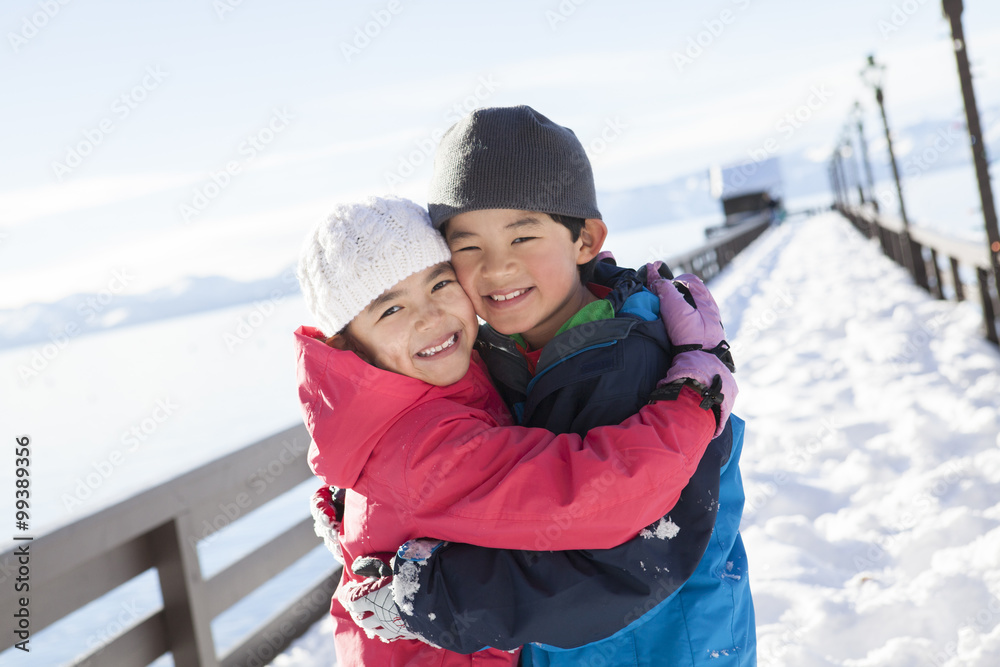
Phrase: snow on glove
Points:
(328, 514)
(697, 333)
(370, 602)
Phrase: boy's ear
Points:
(593, 235)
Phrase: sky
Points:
(204, 137)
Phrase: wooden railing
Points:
(160, 529)
(707, 260)
(931, 249)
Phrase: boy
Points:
(402, 414)
(513, 194)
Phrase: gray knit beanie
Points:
(511, 157)
(360, 251)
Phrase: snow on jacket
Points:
(443, 462)
(633, 595)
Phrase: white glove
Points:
(328, 514)
(370, 602)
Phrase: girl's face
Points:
(423, 327)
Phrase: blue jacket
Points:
(595, 374)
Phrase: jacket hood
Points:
(348, 404)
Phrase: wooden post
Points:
(188, 618)
(919, 265)
(938, 286)
(988, 313)
(957, 279)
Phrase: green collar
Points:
(592, 312)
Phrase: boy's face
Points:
(520, 269)
(424, 328)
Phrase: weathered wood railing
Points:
(707, 260)
(161, 528)
(931, 249)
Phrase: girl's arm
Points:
(516, 487)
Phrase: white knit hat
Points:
(360, 251)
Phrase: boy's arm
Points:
(464, 597)
(562, 598)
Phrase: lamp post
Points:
(858, 118)
(953, 11)
(872, 74)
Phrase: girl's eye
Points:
(468, 247)
(441, 284)
(389, 311)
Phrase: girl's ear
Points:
(346, 342)
(339, 342)
(593, 235)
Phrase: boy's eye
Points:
(389, 311)
(522, 239)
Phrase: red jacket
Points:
(444, 462)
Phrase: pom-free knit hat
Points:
(511, 157)
(360, 251)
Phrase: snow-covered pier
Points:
(871, 465)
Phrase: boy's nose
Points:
(497, 266)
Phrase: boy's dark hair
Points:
(574, 225)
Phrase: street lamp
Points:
(873, 74)
(859, 120)
(912, 258)
(953, 11)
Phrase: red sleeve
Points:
(508, 487)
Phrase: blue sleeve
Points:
(472, 597)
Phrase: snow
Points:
(871, 464)
(407, 585)
(872, 456)
(664, 529)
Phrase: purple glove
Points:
(697, 334)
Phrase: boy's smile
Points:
(423, 327)
(520, 269)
